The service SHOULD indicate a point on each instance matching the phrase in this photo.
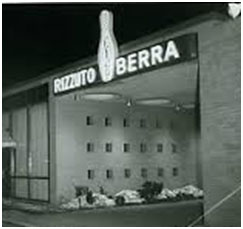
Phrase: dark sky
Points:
(40, 37)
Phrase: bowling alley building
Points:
(171, 114)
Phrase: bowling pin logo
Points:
(108, 50)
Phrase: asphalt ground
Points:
(153, 215)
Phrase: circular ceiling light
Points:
(188, 106)
(155, 102)
(101, 96)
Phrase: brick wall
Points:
(220, 120)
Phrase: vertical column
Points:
(28, 158)
(52, 172)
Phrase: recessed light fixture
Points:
(101, 96)
(188, 106)
(129, 103)
(155, 102)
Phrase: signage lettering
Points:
(111, 66)
(147, 58)
(75, 80)
(176, 50)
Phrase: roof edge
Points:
(45, 77)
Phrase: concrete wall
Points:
(220, 120)
(73, 160)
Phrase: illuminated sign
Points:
(112, 67)
(75, 80)
(145, 58)
(108, 50)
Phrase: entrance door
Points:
(6, 170)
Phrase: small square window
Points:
(108, 121)
(160, 148)
(109, 174)
(142, 123)
(160, 172)
(89, 121)
(90, 147)
(126, 147)
(175, 172)
(144, 173)
(127, 173)
(91, 174)
(108, 147)
(143, 147)
(126, 122)
(173, 148)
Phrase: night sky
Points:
(41, 37)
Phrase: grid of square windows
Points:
(126, 122)
(90, 147)
(127, 173)
(126, 146)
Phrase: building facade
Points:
(67, 136)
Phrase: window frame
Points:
(108, 121)
(127, 173)
(90, 174)
(159, 147)
(175, 171)
(108, 147)
(89, 120)
(109, 174)
(126, 122)
(126, 147)
(160, 172)
(90, 147)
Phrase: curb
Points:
(19, 223)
